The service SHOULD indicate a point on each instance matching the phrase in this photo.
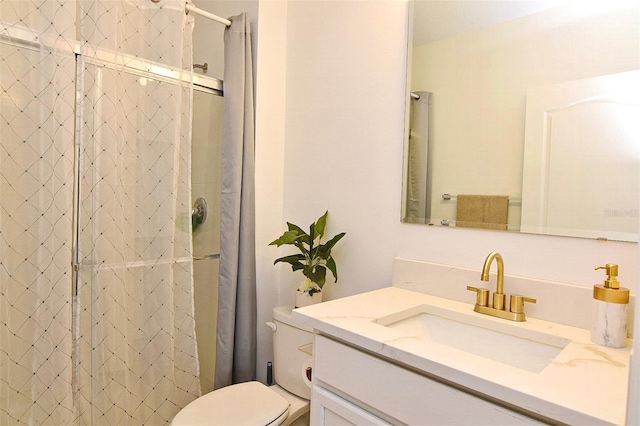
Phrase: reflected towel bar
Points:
(449, 222)
(449, 197)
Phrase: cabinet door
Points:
(331, 410)
(398, 393)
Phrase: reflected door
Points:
(582, 158)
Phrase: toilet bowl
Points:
(253, 403)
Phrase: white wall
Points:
(344, 120)
(270, 136)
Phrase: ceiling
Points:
(440, 19)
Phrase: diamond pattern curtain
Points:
(37, 96)
(137, 360)
(116, 345)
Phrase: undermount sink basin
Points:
(499, 340)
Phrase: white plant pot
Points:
(303, 299)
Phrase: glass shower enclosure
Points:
(205, 183)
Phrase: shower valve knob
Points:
(199, 211)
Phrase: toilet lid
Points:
(250, 403)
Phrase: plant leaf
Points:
(321, 224)
(305, 237)
(324, 251)
(289, 237)
(316, 274)
(312, 232)
(331, 264)
(295, 260)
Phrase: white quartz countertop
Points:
(585, 384)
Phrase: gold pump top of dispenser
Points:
(612, 275)
(611, 291)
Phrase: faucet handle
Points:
(517, 303)
(482, 295)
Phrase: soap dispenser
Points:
(610, 310)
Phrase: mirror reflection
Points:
(511, 93)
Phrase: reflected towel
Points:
(482, 211)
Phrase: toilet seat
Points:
(249, 403)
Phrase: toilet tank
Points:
(290, 363)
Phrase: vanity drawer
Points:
(393, 392)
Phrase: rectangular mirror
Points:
(475, 70)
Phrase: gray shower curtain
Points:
(236, 333)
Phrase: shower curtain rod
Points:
(190, 8)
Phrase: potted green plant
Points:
(313, 260)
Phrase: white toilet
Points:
(252, 403)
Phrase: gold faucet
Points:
(498, 296)
(516, 311)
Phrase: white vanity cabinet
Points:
(354, 387)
